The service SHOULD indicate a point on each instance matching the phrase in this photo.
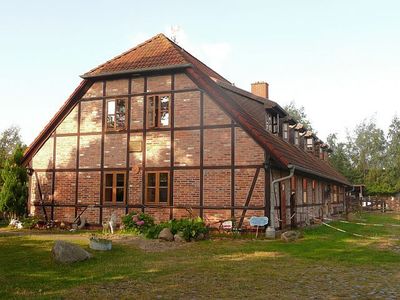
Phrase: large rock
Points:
(166, 235)
(179, 237)
(65, 252)
(290, 236)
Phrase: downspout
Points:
(270, 231)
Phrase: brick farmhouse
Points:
(156, 130)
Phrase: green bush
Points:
(190, 228)
(30, 222)
(137, 222)
(142, 223)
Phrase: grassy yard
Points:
(325, 264)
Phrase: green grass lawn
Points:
(324, 264)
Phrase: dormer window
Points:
(309, 144)
(296, 138)
(285, 131)
(272, 122)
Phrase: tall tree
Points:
(14, 192)
(340, 159)
(393, 155)
(299, 114)
(9, 139)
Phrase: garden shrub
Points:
(190, 228)
(137, 222)
(142, 223)
(30, 222)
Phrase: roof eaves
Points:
(136, 71)
(306, 170)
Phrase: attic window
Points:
(272, 122)
(296, 138)
(309, 145)
(158, 111)
(116, 114)
(285, 131)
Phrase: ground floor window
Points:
(157, 187)
(114, 187)
(304, 190)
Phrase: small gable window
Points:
(158, 111)
(116, 110)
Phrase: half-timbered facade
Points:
(156, 130)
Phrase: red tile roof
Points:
(156, 53)
(245, 108)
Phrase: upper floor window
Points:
(114, 187)
(285, 131)
(157, 187)
(272, 122)
(116, 110)
(158, 111)
(309, 144)
(296, 138)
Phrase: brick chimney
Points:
(260, 88)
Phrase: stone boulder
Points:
(166, 235)
(179, 238)
(65, 252)
(290, 236)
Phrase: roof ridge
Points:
(185, 52)
(160, 35)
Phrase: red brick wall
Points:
(243, 181)
(183, 82)
(137, 103)
(135, 187)
(44, 157)
(115, 150)
(187, 109)
(213, 115)
(96, 90)
(117, 87)
(247, 151)
(89, 151)
(158, 149)
(137, 85)
(217, 147)
(159, 83)
(187, 187)
(217, 188)
(91, 116)
(89, 187)
(66, 152)
(187, 148)
(70, 123)
(65, 187)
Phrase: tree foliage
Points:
(9, 139)
(298, 113)
(14, 192)
(368, 157)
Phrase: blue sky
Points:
(339, 59)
